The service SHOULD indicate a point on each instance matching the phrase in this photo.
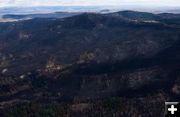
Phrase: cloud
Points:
(86, 2)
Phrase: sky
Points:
(7, 3)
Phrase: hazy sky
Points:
(87, 2)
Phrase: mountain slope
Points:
(90, 57)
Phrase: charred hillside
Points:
(88, 59)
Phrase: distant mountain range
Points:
(40, 10)
(11, 14)
(45, 15)
(51, 9)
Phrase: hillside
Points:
(92, 64)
